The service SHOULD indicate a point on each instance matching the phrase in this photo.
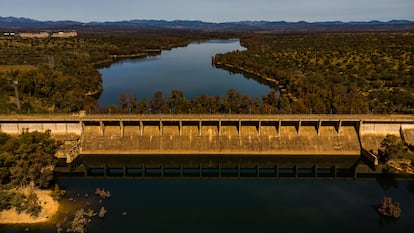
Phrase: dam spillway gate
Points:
(210, 135)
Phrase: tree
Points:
(123, 102)
(32, 205)
(157, 103)
(270, 102)
(28, 158)
(393, 148)
(233, 98)
(176, 102)
(142, 106)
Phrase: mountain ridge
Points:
(21, 23)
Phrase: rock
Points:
(102, 212)
(59, 228)
(102, 193)
(98, 191)
(388, 208)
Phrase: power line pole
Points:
(16, 92)
(51, 62)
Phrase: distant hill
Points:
(21, 24)
(25, 23)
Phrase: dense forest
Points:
(331, 73)
(60, 75)
(311, 72)
(26, 160)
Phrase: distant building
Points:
(60, 34)
(8, 34)
(34, 35)
(64, 34)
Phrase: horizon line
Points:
(221, 22)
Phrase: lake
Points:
(188, 69)
(239, 205)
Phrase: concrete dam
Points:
(250, 135)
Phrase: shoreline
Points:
(49, 209)
(402, 166)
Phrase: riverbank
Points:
(49, 209)
(246, 72)
(113, 58)
(403, 166)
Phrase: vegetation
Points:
(60, 75)
(25, 161)
(57, 192)
(176, 103)
(394, 148)
(80, 221)
(332, 73)
(318, 73)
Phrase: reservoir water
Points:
(238, 205)
(188, 69)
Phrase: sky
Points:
(210, 10)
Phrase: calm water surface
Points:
(241, 205)
(188, 69)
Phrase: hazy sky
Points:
(210, 10)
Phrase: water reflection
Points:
(386, 180)
(411, 187)
(384, 220)
(216, 166)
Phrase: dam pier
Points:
(254, 145)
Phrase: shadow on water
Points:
(387, 180)
(411, 187)
(214, 166)
(385, 220)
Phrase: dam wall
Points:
(56, 127)
(219, 134)
(372, 132)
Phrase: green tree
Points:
(233, 101)
(176, 102)
(28, 158)
(157, 103)
(393, 148)
(32, 205)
